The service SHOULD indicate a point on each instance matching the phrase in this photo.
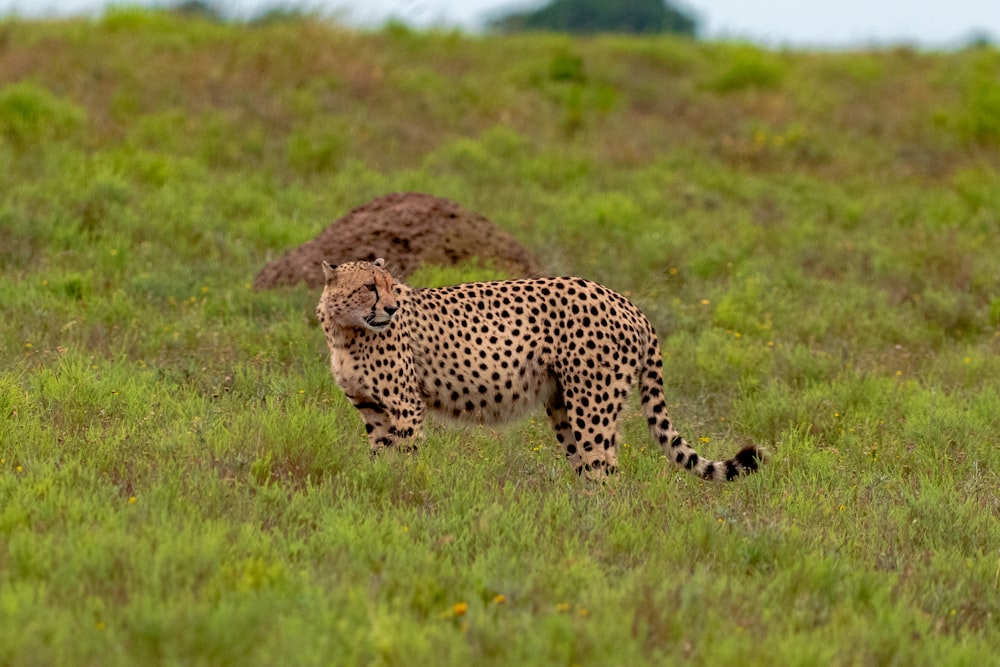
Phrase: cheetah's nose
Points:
(390, 310)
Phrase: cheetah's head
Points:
(358, 295)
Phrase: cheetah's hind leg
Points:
(555, 408)
(589, 435)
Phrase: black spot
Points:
(692, 461)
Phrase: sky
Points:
(793, 23)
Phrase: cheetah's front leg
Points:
(378, 426)
(389, 427)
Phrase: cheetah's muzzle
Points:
(376, 324)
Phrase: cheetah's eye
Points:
(371, 287)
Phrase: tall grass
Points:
(813, 236)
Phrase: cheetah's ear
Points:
(380, 262)
(328, 270)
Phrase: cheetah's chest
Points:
(339, 363)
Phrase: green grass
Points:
(813, 236)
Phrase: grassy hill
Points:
(814, 235)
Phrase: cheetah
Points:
(490, 352)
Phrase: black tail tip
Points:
(751, 458)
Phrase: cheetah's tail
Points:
(654, 408)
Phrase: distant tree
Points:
(590, 16)
(979, 39)
(282, 14)
(200, 9)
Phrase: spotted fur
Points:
(490, 352)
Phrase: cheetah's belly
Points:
(493, 397)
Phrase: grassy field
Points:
(814, 235)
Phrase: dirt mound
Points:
(408, 229)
